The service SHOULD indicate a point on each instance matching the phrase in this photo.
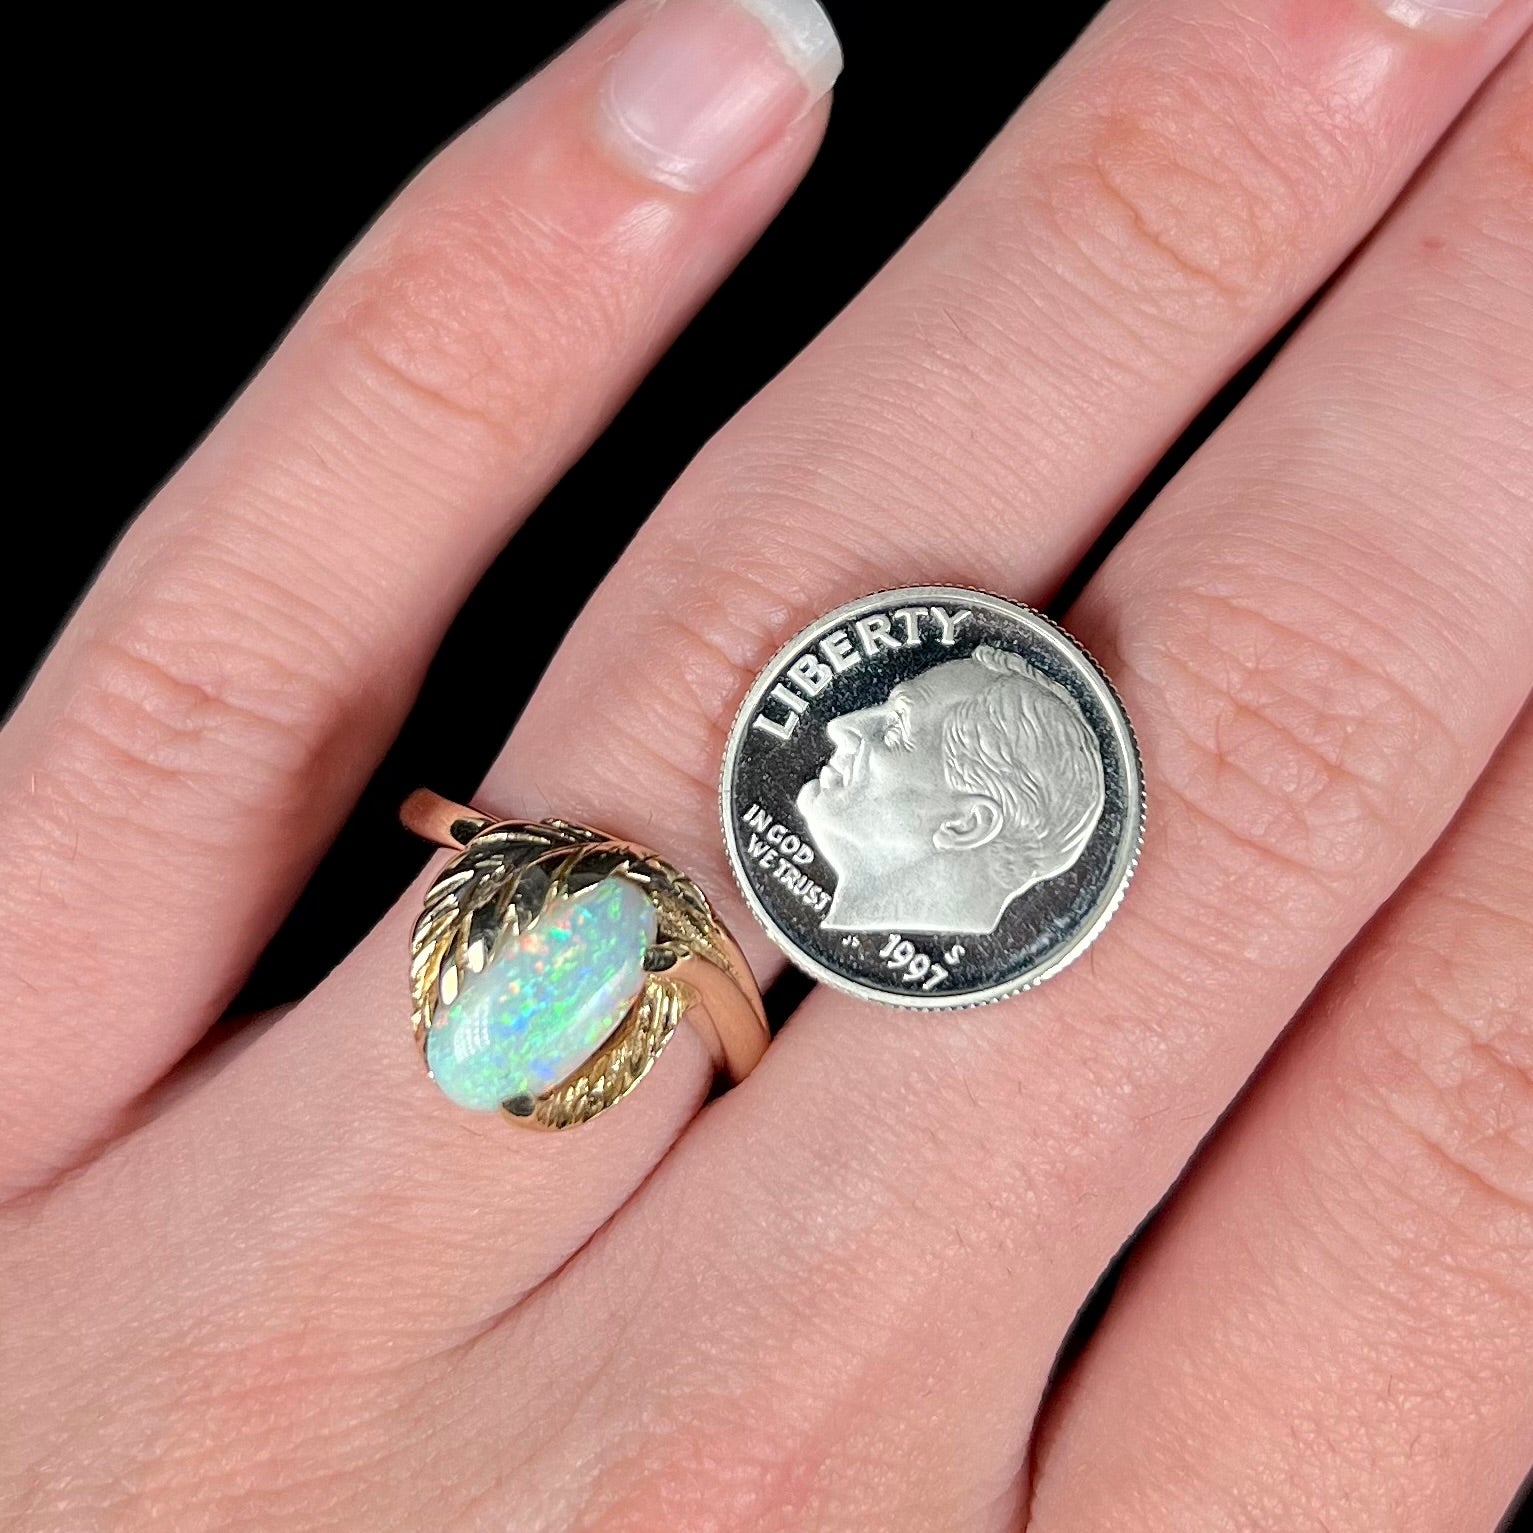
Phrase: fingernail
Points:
(704, 84)
(1443, 15)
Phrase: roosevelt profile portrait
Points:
(968, 785)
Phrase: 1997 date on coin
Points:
(913, 966)
(932, 797)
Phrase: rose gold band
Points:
(439, 820)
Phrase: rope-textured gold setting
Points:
(505, 875)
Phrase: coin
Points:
(932, 798)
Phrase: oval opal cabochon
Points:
(547, 1000)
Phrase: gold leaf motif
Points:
(499, 884)
(620, 1064)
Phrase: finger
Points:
(325, 1204)
(248, 652)
(1322, 629)
(896, 446)
(1328, 1326)
(1185, 178)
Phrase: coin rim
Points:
(1126, 860)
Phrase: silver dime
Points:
(932, 797)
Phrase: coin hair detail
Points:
(932, 797)
(1023, 743)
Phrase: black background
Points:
(227, 173)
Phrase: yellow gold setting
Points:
(505, 875)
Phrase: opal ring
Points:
(552, 963)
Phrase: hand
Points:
(284, 1284)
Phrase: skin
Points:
(290, 1286)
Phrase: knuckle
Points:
(1173, 194)
(1291, 726)
(722, 1468)
(726, 592)
(1476, 247)
(474, 316)
(715, 634)
(192, 691)
(231, 1448)
(737, 1458)
(1446, 1062)
(1516, 141)
(1509, 153)
(742, 1459)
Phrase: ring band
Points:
(552, 963)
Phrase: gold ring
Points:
(552, 963)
